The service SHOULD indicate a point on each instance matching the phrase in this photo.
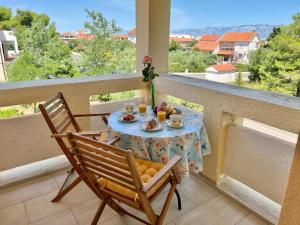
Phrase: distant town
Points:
(232, 46)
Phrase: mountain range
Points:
(263, 30)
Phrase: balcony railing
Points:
(256, 156)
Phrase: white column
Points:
(152, 36)
(152, 32)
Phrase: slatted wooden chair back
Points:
(98, 160)
(58, 115)
(108, 162)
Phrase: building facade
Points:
(236, 46)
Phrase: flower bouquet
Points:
(149, 75)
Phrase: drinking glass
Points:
(161, 113)
(142, 105)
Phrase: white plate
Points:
(158, 128)
(135, 110)
(127, 121)
(172, 126)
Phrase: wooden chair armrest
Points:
(113, 141)
(91, 114)
(83, 133)
(169, 166)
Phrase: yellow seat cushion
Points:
(103, 136)
(147, 170)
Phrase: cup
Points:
(129, 107)
(176, 120)
(142, 105)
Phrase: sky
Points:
(69, 15)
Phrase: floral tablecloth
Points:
(190, 142)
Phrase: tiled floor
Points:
(29, 203)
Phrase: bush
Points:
(242, 67)
(6, 113)
(194, 61)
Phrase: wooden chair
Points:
(60, 119)
(114, 174)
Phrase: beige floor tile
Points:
(173, 212)
(116, 220)
(251, 220)
(62, 218)
(217, 211)
(13, 215)
(85, 212)
(197, 190)
(30, 189)
(42, 206)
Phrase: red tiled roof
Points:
(182, 39)
(132, 32)
(85, 36)
(225, 52)
(224, 67)
(120, 36)
(66, 33)
(238, 36)
(209, 37)
(206, 45)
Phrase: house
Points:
(67, 36)
(236, 46)
(8, 50)
(132, 35)
(82, 34)
(120, 36)
(221, 73)
(208, 43)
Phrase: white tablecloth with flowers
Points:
(190, 142)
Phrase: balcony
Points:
(253, 136)
(243, 181)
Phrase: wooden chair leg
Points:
(178, 199)
(166, 204)
(63, 191)
(98, 213)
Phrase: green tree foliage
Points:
(239, 79)
(194, 61)
(174, 46)
(5, 13)
(193, 43)
(6, 20)
(43, 55)
(277, 66)
(103, 54)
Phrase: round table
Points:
(190, 142)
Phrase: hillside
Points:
(262, 29)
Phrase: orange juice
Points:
(161, 116)
(142, 108)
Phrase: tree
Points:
(5, 13)
(194, 61)
(174, 46)
(192, 44)
(103, 54)
(277, 66)
(43, 55)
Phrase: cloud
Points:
(180, 19)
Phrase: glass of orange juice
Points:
(142, 105)
(161, 113)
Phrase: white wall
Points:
(224, 77)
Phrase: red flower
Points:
(147, 59)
